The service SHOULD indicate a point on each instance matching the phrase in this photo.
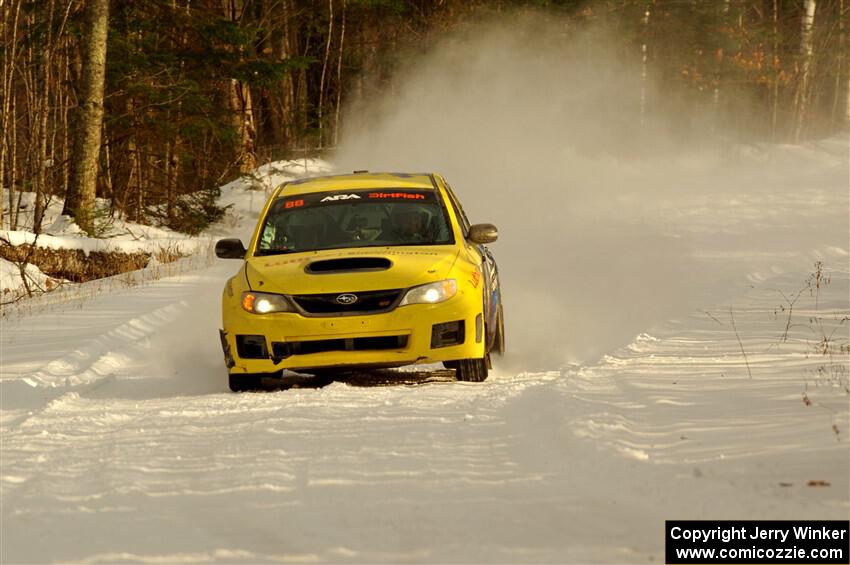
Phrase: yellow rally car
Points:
(361, 271)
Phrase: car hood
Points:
(350, 270)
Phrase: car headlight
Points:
(431, 293)
(265, 303)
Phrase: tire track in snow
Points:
(684, 396)
(127, 337)
(107, 353)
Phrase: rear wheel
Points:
(470, 370)
(245, 382)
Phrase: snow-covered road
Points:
(121, 441)
(130, 447)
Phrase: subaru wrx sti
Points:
(361, 271)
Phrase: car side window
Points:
(461, 215)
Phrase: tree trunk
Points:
(324, 71)
(14, 209)
(172, 160)
(144, 183)
(284, 116)
(172, 172)
(339, 75)
(29, 108)
(241, 106)
(43, 163)
(133, 176)
(302, 91)
(839, 65)
(9, 23)
(774, 110)
(806, 51)
(66, 131)
(108, 184)
(5, 87)
(643, 66)
(844, 14)
(847, 94)
(243, 120)
(81, 197)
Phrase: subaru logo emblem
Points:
(346, 299)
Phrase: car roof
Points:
(358, 181)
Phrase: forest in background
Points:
(152, 104)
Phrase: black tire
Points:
(245, 382)
(470, 370)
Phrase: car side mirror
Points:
(483, 233)
(230, 249)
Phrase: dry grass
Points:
(168, 253)
(74, 265)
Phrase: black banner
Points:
(818, 542)
(311, 199)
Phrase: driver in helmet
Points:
(411, 225)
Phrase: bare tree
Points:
(9, 36)
(43, 124)
(774, 104)
(324, 70)
(81, 194)
(644, 58)
(241, 104)
(844, 14)
(339, 75)
(806, 52)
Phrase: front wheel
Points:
(470, 370)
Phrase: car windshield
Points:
(354, 218)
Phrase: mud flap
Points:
(225, 347)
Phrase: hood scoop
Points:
(348, 265)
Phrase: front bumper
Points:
(408, 329)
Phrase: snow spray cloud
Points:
(538, 130)
(524, 121)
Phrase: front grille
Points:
(371, 302)
(282, 350)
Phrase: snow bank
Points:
(12, 285)
(144, 241)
